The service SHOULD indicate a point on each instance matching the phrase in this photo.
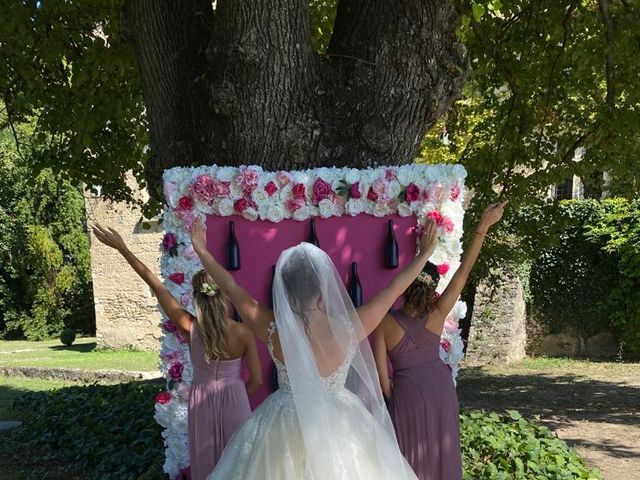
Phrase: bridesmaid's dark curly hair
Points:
(421, 295)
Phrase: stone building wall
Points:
(126, 309)
(498, 326)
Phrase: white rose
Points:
(260, 196)
(301, 177)
(275, 213)
(459, 172)
(236, 191)
(325, 174)
(394, 188)
(326, 208)
(226, 174)
(352, 175)
(380, 209)
(225, 207)
(301, 214)
(250, 214)
(355, 206)
(404, 210)
(405, 176)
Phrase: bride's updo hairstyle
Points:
(302, 284)
(421, 295)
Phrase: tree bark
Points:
(241, 84)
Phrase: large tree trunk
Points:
(241, 84)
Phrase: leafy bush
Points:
(590, 280)
(106, 430)
(45, 276)
(505, 447)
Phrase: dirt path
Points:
(594, 407)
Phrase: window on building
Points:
(564, 190)
(593, 185)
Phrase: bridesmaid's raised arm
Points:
(492, 214)
(254, 315)
(174, 311)
(372, 312)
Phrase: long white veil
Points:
(329, 362)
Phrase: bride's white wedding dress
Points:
(314, 427)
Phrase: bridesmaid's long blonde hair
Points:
(212, 311)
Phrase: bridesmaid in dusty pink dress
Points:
(422, 397)
(218, 402)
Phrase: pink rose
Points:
(270, 188)
(187, 217)
(169, 189)
(177, 277)
(436, 215)
(372, 195)
(450, 324)
(412, 193)
(435, 193)
(298, 190)
(163, 397)
(390, 175)
(175, 371)
(173, 356)
(455, 192)
(321, 190)
(186, 299)
(294, 204)
(380, 186)
(181, 337)
(443, 268)
(445, 344)
(247, 179)
(169, 241)
(241, 205)
(185, 204)
(222, 189)
(354, 190)
(189, 253)
(282, 178)
(447, 224)
(169, 326)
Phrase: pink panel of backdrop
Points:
(346, 239)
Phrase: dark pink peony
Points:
(436, 215)
(169, 241)
(163, 397)
(169, 326)
(241, 205)
(390, 175)
(354, 190)
(185, 204)
(184, 474)
(372, 195)
(177, 277)
(298, 190)
(175, 371)
(294, 204)
(270, 188)
(321, 190)
(447, 224)
(445, 344)
(412, 193)
(204, 188)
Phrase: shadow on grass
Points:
(80, 347)
(558, 399)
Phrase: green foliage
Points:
(505, 447)
(617, 230)
(45, 277)
(590, 280)
(68, 336)
(106, 430)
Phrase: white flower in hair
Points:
(209, 289)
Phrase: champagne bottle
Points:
(313, 234)
(391, 248)
(233, 249)
(355, 289)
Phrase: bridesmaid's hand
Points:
(492, 214)
(198, 237)
(429, 238)
(109, 237)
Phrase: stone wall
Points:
(498, 325)
(126, 309)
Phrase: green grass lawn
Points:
(82, 354)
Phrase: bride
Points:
(328, 420)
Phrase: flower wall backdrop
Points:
(435, 191)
